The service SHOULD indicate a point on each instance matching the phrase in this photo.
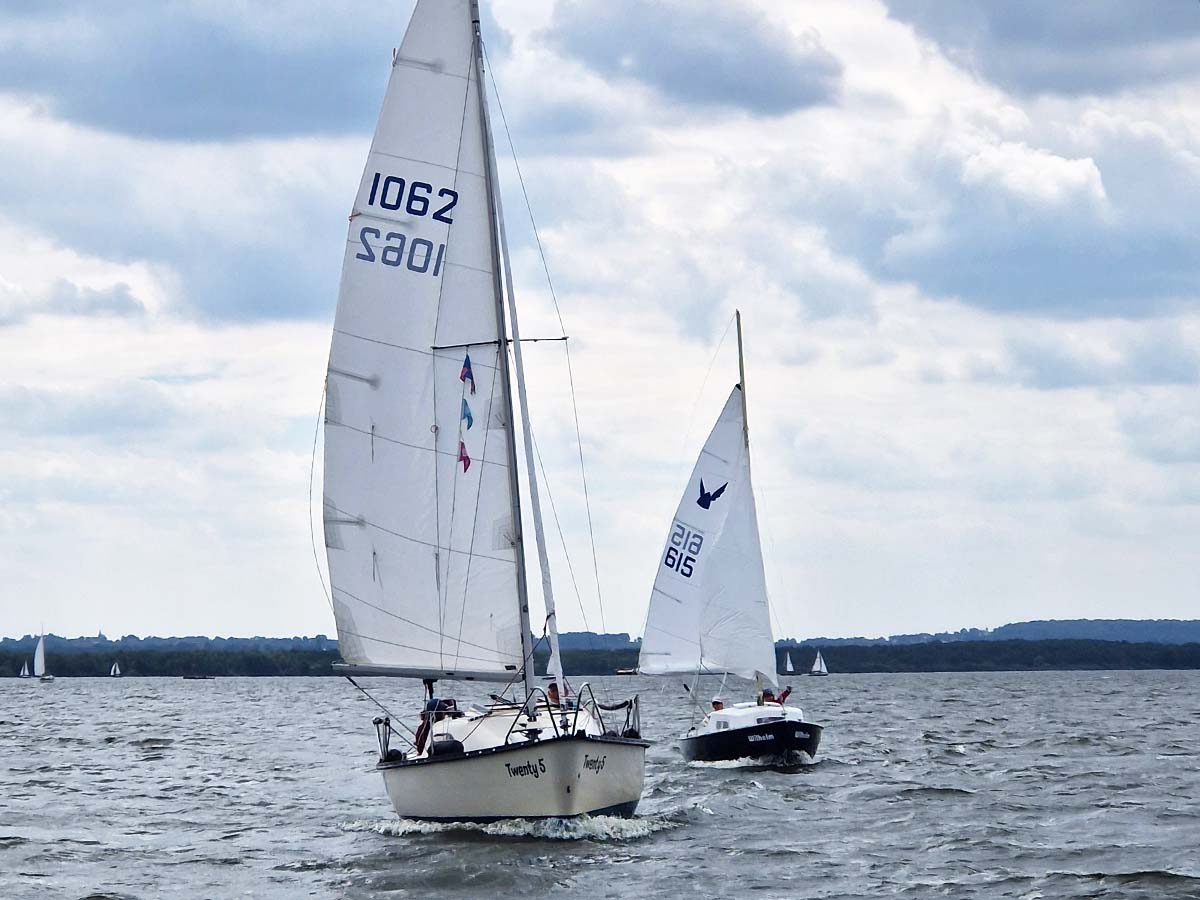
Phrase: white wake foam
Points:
(582, 828)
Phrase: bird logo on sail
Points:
(466, 374)
(705, 500)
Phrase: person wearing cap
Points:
(717, 704)
(768, 696)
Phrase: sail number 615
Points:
(683, 550)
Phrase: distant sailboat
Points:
(115, 671)
(788, 666)
(39, 660)
(708, 607)
(24, 670)
(818, 666)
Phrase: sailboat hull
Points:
(771, 740)
(559, 777)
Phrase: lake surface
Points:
(1023, 785)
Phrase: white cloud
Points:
(953, 422)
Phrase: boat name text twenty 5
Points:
(391, 193)
(594, 763)
(536, 769)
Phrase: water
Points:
(1037, 785)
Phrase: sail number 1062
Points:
(416, 197)
(683, 550)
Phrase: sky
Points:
(963, 238)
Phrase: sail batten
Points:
(421, 532)
(708, 606)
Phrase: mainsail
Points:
(708, 608)
(39, 658)
(818, 666)
(421, 536)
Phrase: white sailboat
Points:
(24, 670)
(818, 666)
(39, 660)
(788, 665)
(708, 608)
(422, 509)
(115, 671)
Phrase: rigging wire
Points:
(566, 345)
(691, 416)
(558, 525)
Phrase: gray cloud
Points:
(180, 71)
(1162, 359)
(72, 300)
(1161, 433)
(1074, 234)
(1063, 46)
(706, 53)
(69, 299)
(112, 412)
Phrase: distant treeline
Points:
(962, 656)
(1141, 631)
(999, 656)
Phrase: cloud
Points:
(1031, 47)
(1057, 359)
(1161, 429)
(971, 314)
(246, 229)
(109, 410)
(192, 70)
(709, 53)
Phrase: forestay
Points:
(708, 608)
(418, 508)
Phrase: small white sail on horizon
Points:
(788, 666)
(39, 660)
(115, 671)
(708, 608)
(818, 666)
(24, 669)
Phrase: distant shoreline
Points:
(956, 656)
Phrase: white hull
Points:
(558, 777)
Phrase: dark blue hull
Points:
(771, 740)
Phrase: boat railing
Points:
(633, 713)
(580, 705)
(532, 703)
(585, 699)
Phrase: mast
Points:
(555, 664)
(742, 380)
(494, 214)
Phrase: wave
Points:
(581, 828)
